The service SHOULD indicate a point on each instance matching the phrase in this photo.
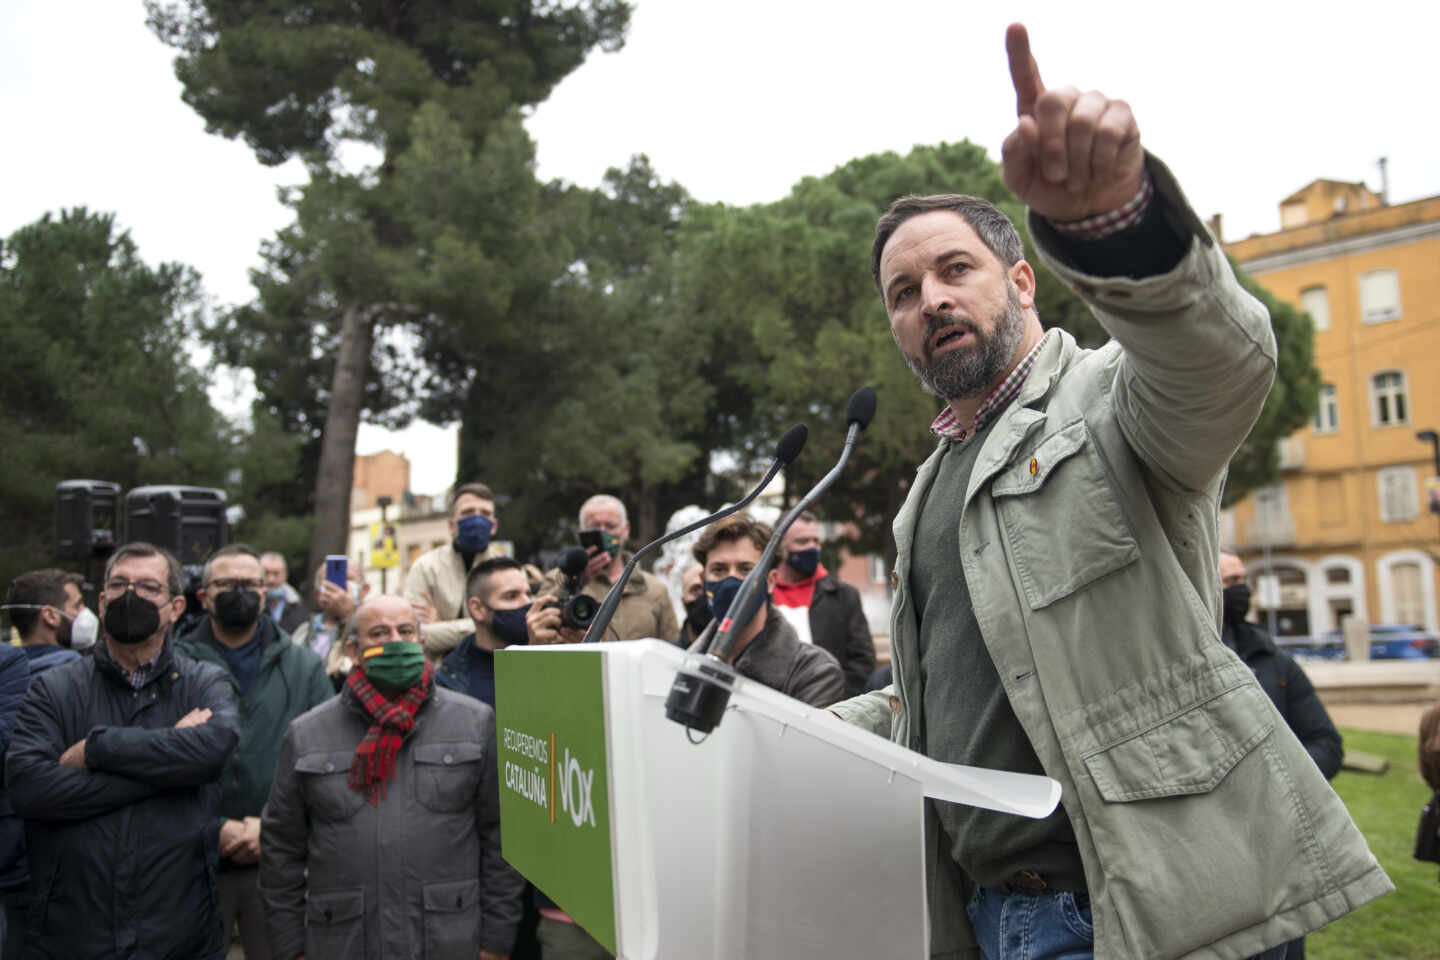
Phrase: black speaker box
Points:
(87, 515)
(188, 521)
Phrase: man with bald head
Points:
(1055, 579)
(382, 831)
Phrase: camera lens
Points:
(579, 610)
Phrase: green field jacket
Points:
(291, 680)
(1089, 539)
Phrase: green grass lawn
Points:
(1405, 924)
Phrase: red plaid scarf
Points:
(375, 756)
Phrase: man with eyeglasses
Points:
(277, 681)
(115, 767)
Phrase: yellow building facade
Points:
(1347, 529)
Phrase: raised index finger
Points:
(1024, 72)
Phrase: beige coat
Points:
(440, 575)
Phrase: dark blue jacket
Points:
(14, 678)
(43, 656)
(123, 853)
(454, 672)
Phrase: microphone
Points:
(702, 687)
(786, 451)
(573, 561)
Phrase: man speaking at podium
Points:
(1055, 589)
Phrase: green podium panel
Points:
(554, 785)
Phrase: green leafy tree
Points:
(383, 258)
(601, 394)
(786, 290)
(101, 385)
(783, 294)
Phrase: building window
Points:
(876, 564)
(1327, 414)
(1399, 495)
(1409, 597)
(1316, 302)
(1407, 589)
(1330, 493)
(1379, 296)
(1272, 516)
(1388, 391)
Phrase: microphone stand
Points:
(786, 450)
(702, 687)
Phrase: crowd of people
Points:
(1060, 606)
(318, 778)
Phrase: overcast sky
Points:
(738, 100)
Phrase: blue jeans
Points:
(1042, 926)
(1032, 926)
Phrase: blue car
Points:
(1386, 643)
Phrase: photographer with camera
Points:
(645, 608)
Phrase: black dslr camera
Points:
(576, 609)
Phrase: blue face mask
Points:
(804, 562)
(472, 533)
(509, 625)
(721, 593)
(275, 593)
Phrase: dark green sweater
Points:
(967, 717)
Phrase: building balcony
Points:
(1260, 532)
(1292, 452)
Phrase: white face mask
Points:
(85, 630)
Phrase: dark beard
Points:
(972, 372)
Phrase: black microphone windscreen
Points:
(861, 408)
(573, 560)
(792, 443)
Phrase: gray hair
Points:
(604, 500)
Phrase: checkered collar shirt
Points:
(948, 427)
(140, 674)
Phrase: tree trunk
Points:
(337, 445)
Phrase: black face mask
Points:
(131, 619)
(237, 609)
(697, 613)
(1235, 602)
(804, 562)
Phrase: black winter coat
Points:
(1291, 691)
(14, 677)
(837, 624)
(123, 853)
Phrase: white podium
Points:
(784, 834)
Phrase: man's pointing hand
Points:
(1072, 155)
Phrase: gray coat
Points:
(417, 876)
(777, 658)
